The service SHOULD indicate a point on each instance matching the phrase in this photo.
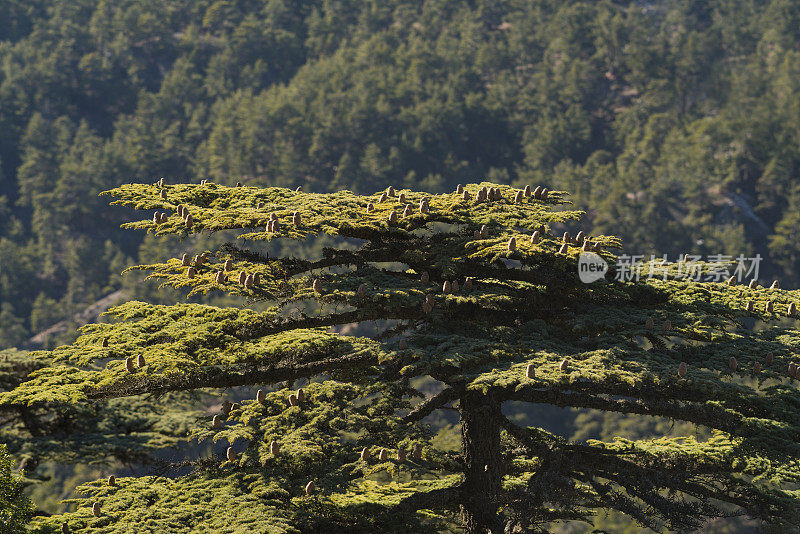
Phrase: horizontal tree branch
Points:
(662, 404)
(217, 377)
(437, 401)
(438, 499)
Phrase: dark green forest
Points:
(677, 121)
(674, 123)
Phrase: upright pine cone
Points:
(530, 371)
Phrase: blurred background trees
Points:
(678, 122)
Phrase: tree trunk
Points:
(480, 432)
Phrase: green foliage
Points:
(15, 508)
(674, 123)
(349, 451)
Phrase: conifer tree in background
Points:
(470, 288)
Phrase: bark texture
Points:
(480, 430)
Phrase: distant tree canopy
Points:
(674, 123)
(471, 289)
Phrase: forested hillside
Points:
(677, 121)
